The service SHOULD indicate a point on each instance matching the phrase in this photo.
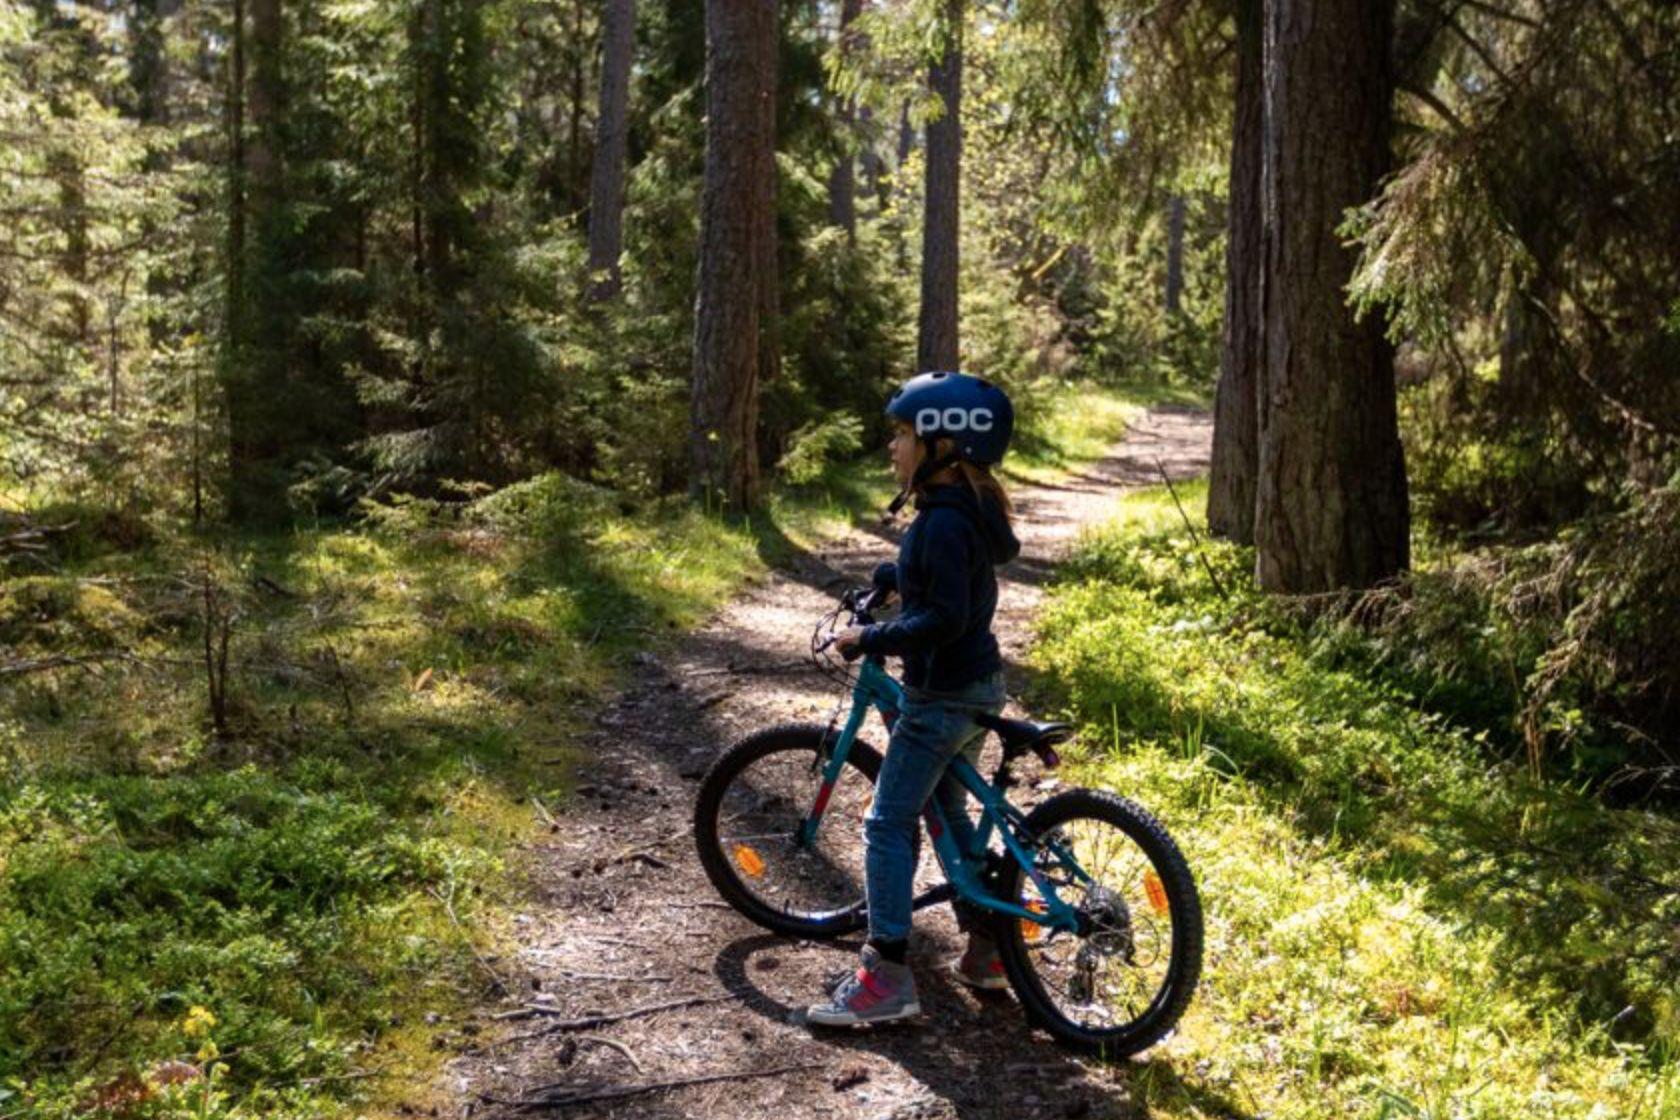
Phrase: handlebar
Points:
(859, 603)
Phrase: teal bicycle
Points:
(1094, 909)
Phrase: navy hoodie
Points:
(948, 590)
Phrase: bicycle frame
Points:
(875, 688)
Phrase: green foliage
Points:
(266, 896)
(1523, 251)
(398, 691)
(813, 447)
(1398, 921)
(1561, 648)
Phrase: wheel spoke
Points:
(1119, 972)
(758, 823)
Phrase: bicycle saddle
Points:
(1022, 735)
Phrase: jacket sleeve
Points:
(942, 615)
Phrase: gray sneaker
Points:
(980, 966)
(879, 991)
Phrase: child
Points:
(950, 429)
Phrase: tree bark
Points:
(606, 174)
(256, 378)
(266, 95)
(768, 283)
(1173, 297)
(1331, 511)
(1236, 437)
(736, 224)
(842, 181)
(149, 71)
(936, 345)
(234, 311)
(868, 157)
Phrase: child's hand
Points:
(847, 640)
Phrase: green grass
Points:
(1070, 424)
(319, 878)
(311, 895)
(1400, 921)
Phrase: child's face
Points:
(906, 452)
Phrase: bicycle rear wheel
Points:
(746, 825)
(1121, 983)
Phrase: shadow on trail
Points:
(952, 1049)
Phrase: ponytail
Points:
(980, 480)
(985, 485)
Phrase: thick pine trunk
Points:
(936, 346)
(258, 380)
(1236, 438)
(768, 283)
(606, 175)
(736, 244)
(1331, 510)
(842, 181)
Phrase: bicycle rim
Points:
(757, 798)
(1121, 983)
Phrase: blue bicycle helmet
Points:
(972, 412)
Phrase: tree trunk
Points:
(149, 66)
(574, 145)
(842, 182)
(257, 382)
(735, 225)
(867, 155)
(1331, 510)
(266, 94)
(1236, 438)
(234, 311)
(936, 345)
(606, 175)
(1173, 296)
(769, 267)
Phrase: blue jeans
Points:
(933, 728)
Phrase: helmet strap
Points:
(929, 466)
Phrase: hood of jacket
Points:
(987, 517)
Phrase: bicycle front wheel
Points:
(1119, 984)
(747, 822)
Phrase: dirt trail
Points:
(621, 916)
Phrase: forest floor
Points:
(618, 914)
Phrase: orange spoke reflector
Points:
(1156, 890)
(751, 862)
(1031, 930)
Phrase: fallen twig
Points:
(572, 975)
(635, 851)
(606, 1017)
(449, 908)
(59, 660)
(353, 1075)
(542, 811)
(1194, 536)
(753, 670)
(599, 1040)
(698, 906)
(615, 1092)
